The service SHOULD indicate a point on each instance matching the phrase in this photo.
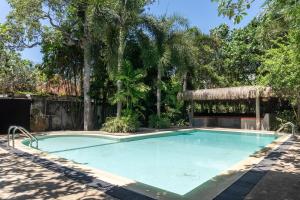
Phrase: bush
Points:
(159, 122)
(283, 117)
(182, 123)
(126, 124)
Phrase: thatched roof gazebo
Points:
(256, 93)
(230, 93)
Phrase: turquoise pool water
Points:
(176, 163)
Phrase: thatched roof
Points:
(231, 93)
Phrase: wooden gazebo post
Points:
(191, 114)
(257, 109)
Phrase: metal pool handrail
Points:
(288, 124)
(12, 130)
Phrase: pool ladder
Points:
(293, 126)
(12, 130)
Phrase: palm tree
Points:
(187, 55)
(166, 33)
(127, 14)
(121, 17)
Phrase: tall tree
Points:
(126, 14)
(165, 31)
(29, 20)
(16, 74)
(187, 55)
(280, 69)
(279, 31)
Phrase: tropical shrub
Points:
(120, 125)
(133, 88)
(174, 108)
(181, 123)
(128, 123)
(159, 122)
(282, 117)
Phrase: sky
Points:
(200, 13)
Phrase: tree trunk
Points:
(298, 109)
(184, 85)
(86, 86)
(191, 113)
(86, 47)
(257, 110)
(75, 81)
(81, 83)
(158, 92)
(120, 64)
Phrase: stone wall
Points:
(64, 113)
(47, 113)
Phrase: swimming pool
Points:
(177, 162)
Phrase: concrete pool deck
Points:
(17, 162)
(283, 180)
(22, 179)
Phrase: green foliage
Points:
(283, 117)
(238, 52)
(167, 43)
(61, 59)
(16, 74)
(167, 47)
(234, 9)
(159, 122)
(20, 76)
(181, 123)
(128, 123)
(120, 125)
(159, 54)
(280, 69)
(174, 108)
(133, 89)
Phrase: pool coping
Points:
(106, 135)
(208, 190)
